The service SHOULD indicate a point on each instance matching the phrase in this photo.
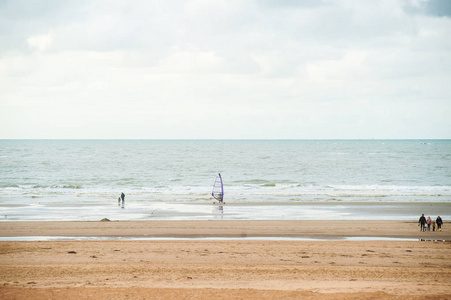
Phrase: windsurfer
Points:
(218, 189)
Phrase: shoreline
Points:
(319, 229)
(169, 211)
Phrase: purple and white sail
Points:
(218, 189)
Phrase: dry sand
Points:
(232, 269)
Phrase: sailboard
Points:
(218, 189)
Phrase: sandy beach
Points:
(329, 267)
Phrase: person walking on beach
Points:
(429, 223)
(422, 221)
(439, 223)
(123, 198)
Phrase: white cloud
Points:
(252, 69)
(41, 42)
(190, 61)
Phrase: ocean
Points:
(263, 179)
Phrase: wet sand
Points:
(220, 269)
(231, 228)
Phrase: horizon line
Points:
(224, 139)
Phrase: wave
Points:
(40, 186)
(264, 157)
(6, 185)
(263, 192)
(389, 188)
(265, 182)
(72, 186)
(251, 181)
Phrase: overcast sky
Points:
(225, 69)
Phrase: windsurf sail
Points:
(218, 189)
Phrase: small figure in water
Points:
(422, 222)
(123, 199)
(119, 201)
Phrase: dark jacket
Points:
(422, 220)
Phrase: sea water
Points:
(263, 179)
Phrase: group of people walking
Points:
(427, 224)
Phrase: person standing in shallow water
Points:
(123, 198)
(422, 221)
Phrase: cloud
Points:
(41, 42)
(439, 8)
(243, 69)
(191, 61)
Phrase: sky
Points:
(225, 69)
